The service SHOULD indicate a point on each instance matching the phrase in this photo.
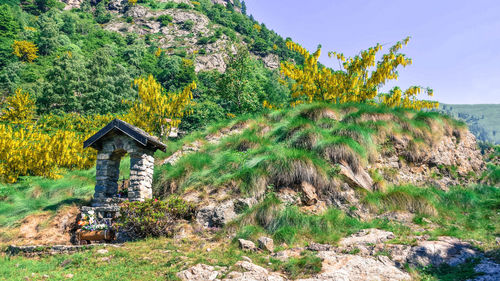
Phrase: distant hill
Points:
(482, 119)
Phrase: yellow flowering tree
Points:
(157, 111)
(355, 82)
(25, 50)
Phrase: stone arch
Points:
(108, 169)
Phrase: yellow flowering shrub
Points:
(19, 108)
(355, 82)
(25, 50)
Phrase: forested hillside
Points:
(482, 119)
(83, 60)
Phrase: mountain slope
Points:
(482, 119)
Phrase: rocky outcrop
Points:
(367, 236)
(72, 4)
(356, 268)
(447, 250)
(450, 160)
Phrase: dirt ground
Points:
(45, 228)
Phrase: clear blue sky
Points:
(455, 45)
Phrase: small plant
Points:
(165, 19)
(187, 25)
(306, 265)
(154, 218)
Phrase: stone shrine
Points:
(114, 141)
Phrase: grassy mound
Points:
(287, 147)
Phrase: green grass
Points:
(467, 213)
(34, 194)
(445, 272)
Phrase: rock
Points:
(72, 4)
(445, 250)
(489, 269)
(117, 4)
(65, 263)
(247, 245)
(288, 195)
(287, 254)
(309, 191)
(198, 272)
(319, 247)
(137, 11)
(245, 258)
(252, 272)
(266, 243)
(211, 61)
(271, 61)
(367, 236)
(243, 204)
(102, 251)
(359, 179)
(69, 276)
(354, 268)
(216, 215)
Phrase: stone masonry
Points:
(108, 169)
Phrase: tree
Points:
(108, 85)
(243, 7)
(25, 50)
(65, 85)
(8, 24)
(355, 82)
(49, 33)
(157, 111)
(238, 86)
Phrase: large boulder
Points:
(199, 272)
(216, 215)
(447, 250)
(344, 267)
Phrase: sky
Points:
(455, 45)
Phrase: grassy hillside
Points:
(483, 119)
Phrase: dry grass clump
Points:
(319, 111)
(291, 172)
(342, 153)
(401, 199)
(306, 139)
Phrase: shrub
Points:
(183, 6)
(153, 218)
(188, 25)
(165, 19)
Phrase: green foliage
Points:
(165, 19)
(101, 14)
(306, 265)
(153, 218)
(187, 25)
(8, 24)
(445, 272)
